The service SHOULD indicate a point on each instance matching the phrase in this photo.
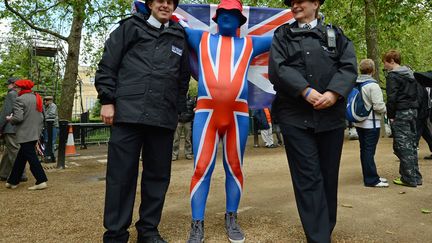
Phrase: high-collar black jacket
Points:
(300, 58)
(145, 73)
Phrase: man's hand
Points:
(327, 100)
(311, 95)
(107, 114)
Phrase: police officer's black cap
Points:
(288, 2)
(11, 80)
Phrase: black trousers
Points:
(423, 131)
(314, 160)
(124, 148)
(27, 152)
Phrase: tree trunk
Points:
(71, 68)
(371, 31)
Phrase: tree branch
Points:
(36, 11)
(33, 26)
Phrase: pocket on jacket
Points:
(132, 89)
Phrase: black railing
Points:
(84, 133)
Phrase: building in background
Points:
(85, 95)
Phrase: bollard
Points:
(62, 143)
(49, 154)
(83, 130)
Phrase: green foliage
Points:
(404, 25)
(193, 88)
(95, 111)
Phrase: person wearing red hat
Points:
(7, 131)
(142, 82)
(313, 68)
(222, 112)
(27, 116)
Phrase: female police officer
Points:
(313, 68)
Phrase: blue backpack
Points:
(355, 109)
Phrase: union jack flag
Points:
(260, 21)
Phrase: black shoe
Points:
(428, 157)
(3, 179)
(151, 239)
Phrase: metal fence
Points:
(90, 133)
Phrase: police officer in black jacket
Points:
(313, 69)
(142, 81)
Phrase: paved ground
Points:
(70, 210)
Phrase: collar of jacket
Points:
(295, 32)
(174, 28)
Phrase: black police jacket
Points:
(145, 73)
(301, 58)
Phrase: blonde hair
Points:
(367, 66)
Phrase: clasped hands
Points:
(318, 100)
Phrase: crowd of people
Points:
(22, 126)
(313, 68)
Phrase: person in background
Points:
(313, 68)
(28, 118)
(142, 81)
(184, 126)
(402, 110)
(276, 129)
(8, 133)
(51, 114)
(264, 126)
(425, 79)
(369, 130)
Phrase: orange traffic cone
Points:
(70, 145)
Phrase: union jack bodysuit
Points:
(221, 112)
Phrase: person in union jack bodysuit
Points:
(222, 111)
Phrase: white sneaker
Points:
(382, 184)
(40, 186)
(382, 179)
(10, 186)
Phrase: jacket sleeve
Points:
(18, 112)
(344, 79)
(377, 98)
(7, 109)
(284, 78)
(51, 112)
(106, 75)
(183, 80)
(392, 87)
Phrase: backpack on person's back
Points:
(356, 110)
